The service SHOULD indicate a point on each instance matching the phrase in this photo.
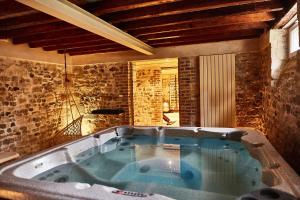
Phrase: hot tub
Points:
(155, 163)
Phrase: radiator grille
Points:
(217, 90)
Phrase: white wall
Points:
(23, 51)
(279, 50)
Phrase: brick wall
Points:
(281, 99)
(249, 90)
(147, 96)
(28, 106)
(102, 86)
(271, 104)
(282, 116)
(251, 83)
(170, 90)
(188, 91)
(272, 108)
(266, 85)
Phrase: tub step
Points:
(7, 156)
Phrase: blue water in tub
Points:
(172, 166)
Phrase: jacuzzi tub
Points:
(155, 163)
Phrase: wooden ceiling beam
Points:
(201, 16)
(67, 41)
(104, 7)
(156, 36)
(97, 51)
(91, 48)
(41, 20)
(286, 17)
(27, 20)
(62, 47)
(179, 41)
(201, 31)
(209, 23)
(43, 28)
(207, 38)
(175, 8)
(196, 36)
(73, 14)
(203, 23)
(52, 36)
(78, 2)
(166, 24)
(13, 9)
(66, 28)
(97, 8)
(10, 9)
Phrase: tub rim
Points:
(288, 179)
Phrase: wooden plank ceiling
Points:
(158, 23)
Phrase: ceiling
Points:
(158, 23)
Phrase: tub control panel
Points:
(129, 193)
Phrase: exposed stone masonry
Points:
(28, 105)
(107, 86)
(249, 90)
(102, 86)
(31, 95)
(170, 90)
(266, 85)
(188, 91)
(147, 96)
(275, 110)
(281, 100)
(32, 98)
(282, 113)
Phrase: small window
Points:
(294, 37)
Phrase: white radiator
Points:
(217, 90)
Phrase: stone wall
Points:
(249, 90)
(252, 81)
(268, 88)
(188, 91)
(266, 85)
(33, 100)
(28, 104)
(102, 86)
(170, 91)
(281, 100)
(250, 86)
(29, 92)
(147, 96)
(282, 116)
